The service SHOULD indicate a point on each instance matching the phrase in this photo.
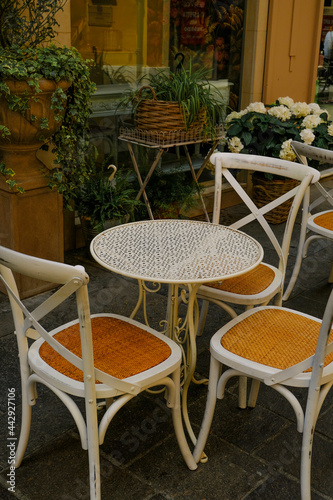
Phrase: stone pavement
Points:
(253, 454)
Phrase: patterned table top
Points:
(176, 251)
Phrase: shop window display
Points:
(129, 39)
(211, 34)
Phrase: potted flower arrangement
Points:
(29, 65)
(269, 130)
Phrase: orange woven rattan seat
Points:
(325, 220)
(249, 283)
(120, 349)
(274, 338)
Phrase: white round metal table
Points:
(177, 252)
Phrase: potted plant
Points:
(170, 195)
(29, 65)
(268, 131)
(180, 100)
(104, 200)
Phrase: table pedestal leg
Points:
(192, 318)
(182, 331)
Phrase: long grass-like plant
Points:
(190, 89)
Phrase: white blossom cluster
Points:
(286, 109)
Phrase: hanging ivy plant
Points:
(28, 54)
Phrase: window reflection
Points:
(128, 39)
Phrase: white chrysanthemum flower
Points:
(286, 152)
(235, 145)
(330, 129)
(311, 121)
(286, 101)
(307, 136)
(234, 115)
(280, 112)
(300, 109)
(258, 107)
(315, 108)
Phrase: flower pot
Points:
(266, 190)
(18, 151)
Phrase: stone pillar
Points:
(32, 223)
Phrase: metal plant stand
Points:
(162, 141)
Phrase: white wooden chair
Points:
(266, 281)
(120, 357)
(314, 226)
(281, 348)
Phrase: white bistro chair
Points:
(120, 357)
(314, 226)
(281, 348)
(266, 281)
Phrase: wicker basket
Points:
(152, 114)
(265, 191)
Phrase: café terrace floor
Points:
(252, 454)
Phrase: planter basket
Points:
(265, 191)
(155, 115)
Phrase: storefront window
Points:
(128, 39)
(210, 33)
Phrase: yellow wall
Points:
(255, 34)
(292, 51)
(64, 30)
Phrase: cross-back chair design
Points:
(282, 348)
(120, 357)
(314, 226)
(266, 281)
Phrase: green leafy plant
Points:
(27, 54)
(268, 130)
(104, 196)
(189, 88)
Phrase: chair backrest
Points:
(73, 279)
(228, 164)
(304, 151)
(324, 156)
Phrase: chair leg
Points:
(255, 385)
(214, 374)
(24, 432)
(178, 425)
(330, 278)
(93, 450)
(242, 393)
(203, 316)
(306, 454)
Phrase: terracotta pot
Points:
(19, 149)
